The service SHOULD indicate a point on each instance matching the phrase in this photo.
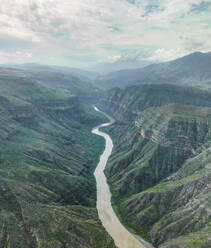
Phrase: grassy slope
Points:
(47, 158)
(85, 91)
(162, 210)
(176, 210)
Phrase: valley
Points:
(156, 187)
(105, 124)
(110, 221)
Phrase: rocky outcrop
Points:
(167, 128)
(159, 171)
(157, 145)
(126, 104)
(178, 206)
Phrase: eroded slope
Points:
(160, 168)
(47, 157)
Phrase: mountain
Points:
(123, 63)
(159, 171)
(192, 70)
(85, 91)
(47, 159)
(82, 74)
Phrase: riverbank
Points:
(121, 236)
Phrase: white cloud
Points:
(166, 55)
(100, 29)
(15, 56)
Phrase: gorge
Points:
(120, 235)
(158, 171)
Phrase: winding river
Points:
(121, 236)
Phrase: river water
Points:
(121, 236)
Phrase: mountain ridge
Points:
(192, 70)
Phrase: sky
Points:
(81, 33)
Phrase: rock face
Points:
(176, 125)
(47, 159)
(126, 104)
(160, 172)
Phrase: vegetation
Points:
(159, 170)
(47, 159)
(127, 103)
(59, 79)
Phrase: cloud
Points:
(166, 55)
(77, 32)
(152, 8)
(201, 7)
(15, 56)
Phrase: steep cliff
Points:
(159, 171)
(158, 144)
(126, 104)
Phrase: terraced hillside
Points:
(126, 104)
(159, 171)
(47, 157)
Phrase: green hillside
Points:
(82, 88)
(159, 171)
(47, 159)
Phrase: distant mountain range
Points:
(92, 72)
(120, 64)
(193, 69)
(82, 74)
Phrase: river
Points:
(121, 236)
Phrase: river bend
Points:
(121, 236)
